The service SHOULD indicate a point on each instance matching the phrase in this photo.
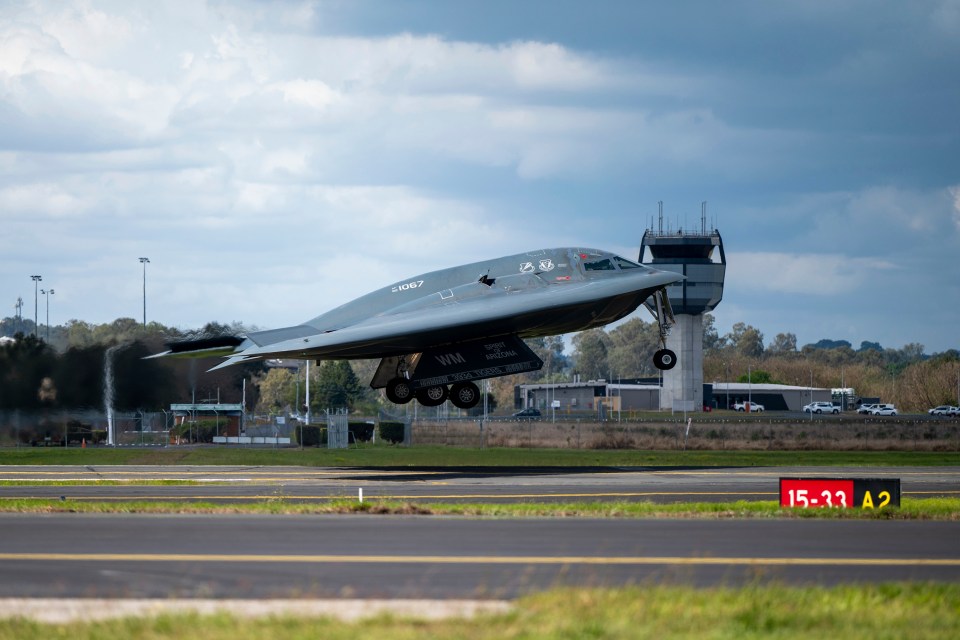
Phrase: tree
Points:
(746, 340)
(550, 350)
(23, 366)
(757, 376)
(711, 337)
(826, 343)
(140, 383)
(783, 343)
(336, 386)
(590, 352)
(277, 390)
(632, 345)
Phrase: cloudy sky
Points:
(276, 159)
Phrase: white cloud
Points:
(41, 200)
(250, 146)
(807, 274)
(310, 93)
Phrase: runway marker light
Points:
(361, 494)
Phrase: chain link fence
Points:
(79, 428)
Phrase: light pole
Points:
(35, 279)
(47, 293)
(726, 367)
(144, 262)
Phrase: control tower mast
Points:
(693, 254)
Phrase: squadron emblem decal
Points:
(526, 267)
(546, 265)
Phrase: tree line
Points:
(68, 370)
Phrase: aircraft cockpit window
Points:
(626, 264)
(599, 265)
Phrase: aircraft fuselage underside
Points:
(428, 375)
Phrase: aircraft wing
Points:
(527, 307)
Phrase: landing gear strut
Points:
(664, 359)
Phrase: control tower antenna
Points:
(660, 206)
(703, 218)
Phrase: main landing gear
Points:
(664, 359)
(464, 395)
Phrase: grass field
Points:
(916, 611)
(910, 509)
(441, 456)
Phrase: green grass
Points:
(916, 611)
(910, 509)
(438, 456)
(103, 483)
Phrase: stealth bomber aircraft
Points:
(439, 332)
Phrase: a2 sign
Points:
(857, 493)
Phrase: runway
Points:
(448, 558)
(74, 555)
(305, 484)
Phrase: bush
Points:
(199, 431)
(313, 435)
(360, 431)
(392, 432)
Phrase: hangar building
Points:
(644, 395)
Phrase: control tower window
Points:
(599, 265)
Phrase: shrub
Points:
(392, 432)
(199, 431)
(313, 435)
(360, 431)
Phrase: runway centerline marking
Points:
(503, 560)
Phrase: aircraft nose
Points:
(663, 276)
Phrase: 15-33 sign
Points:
(860, 493)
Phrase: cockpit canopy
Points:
(607, 263)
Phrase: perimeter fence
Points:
(899, 435)
(76, 428)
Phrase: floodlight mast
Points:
(35, 279)
(48, 293)
(144, 262)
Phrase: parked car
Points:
(865, 408)
(884, 410)
(755, 407)
(527, 414)
(944, 410)
(821, 407)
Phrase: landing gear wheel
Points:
(464, 395)
(432, 396)
(399, 391)
(664, 359)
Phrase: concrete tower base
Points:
(683, 385)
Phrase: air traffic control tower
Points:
(692, 253)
